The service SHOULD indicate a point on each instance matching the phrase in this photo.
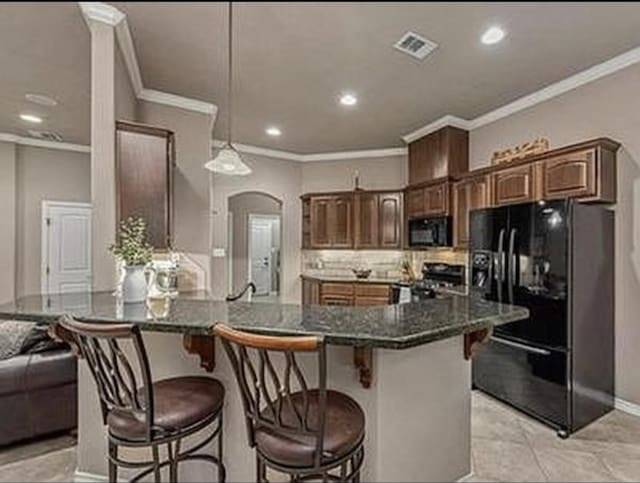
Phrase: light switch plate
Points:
(219, 253)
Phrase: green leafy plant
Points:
(132, 247)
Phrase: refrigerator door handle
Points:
(501, 258)
(516, 345)
(512, 263)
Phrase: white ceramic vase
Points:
(134, 285)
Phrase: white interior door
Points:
(66, 247)
(260, 254)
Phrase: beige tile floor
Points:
(506, 446)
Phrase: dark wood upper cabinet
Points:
(436, 199)
(442, 153)
(360, 219)
(341, 222)
(469, 194)
(390, 220)
(320, 221)
(145, 162)
(515, 185)
(331, 221)
(306, 223)
(366, 220)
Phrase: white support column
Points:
(103, 190)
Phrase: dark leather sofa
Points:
(38, 395)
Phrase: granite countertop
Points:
(391, 326)
(350, 279)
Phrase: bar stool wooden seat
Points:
(141, 414)
(307, 433)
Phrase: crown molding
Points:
(187, 103)
(123, 35)
(41, 143)
(105, 13)
(101, 12)
(306, 158)
(586, 76)
(368, 153)
(447, 120)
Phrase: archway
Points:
(254, 244)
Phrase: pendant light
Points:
(228, 160)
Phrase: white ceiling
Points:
(45, 48)
(292, 61)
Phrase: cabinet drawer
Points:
(334, 288)
(515, 185)
(372, 290)
(336, 299)
(572, 175)
(367, 301)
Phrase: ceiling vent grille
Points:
(45, 135)
(415, 45)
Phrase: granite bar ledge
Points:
(389, 327)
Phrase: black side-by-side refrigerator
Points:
(557, 259)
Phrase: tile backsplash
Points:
(383, 263)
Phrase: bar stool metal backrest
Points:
(119, 388)
(280, 402)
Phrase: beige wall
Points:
(279, 179)
(191, 189)
(125, 98)
(607, 107)
(241, 206)
(7, 222)
(43, 174)
(375, 173)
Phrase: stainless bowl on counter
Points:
(361, 273)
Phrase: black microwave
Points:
(433, 231)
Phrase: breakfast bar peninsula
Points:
(407, 365)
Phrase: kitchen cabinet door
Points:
(414, 202)
(306, 223)
(310, 292)
(470, 194)
(320, 233)
(436, 199)
(145, 160)
(515, 185)
(341, 221)
(366, 220)
(572, 175)
(390, 220)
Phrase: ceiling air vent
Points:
(415, 45)
(45, 135)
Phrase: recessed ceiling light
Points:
(273, 131)
(31, 118)
(493, 35)
(41, 99)
(348, 100)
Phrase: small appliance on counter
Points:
(433, 231)
(163, 278)
(435, 277)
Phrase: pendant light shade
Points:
(228, 160)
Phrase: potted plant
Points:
(135, 253)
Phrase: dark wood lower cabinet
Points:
(344, 293)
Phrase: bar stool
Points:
(140, 413)
(305, 433)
